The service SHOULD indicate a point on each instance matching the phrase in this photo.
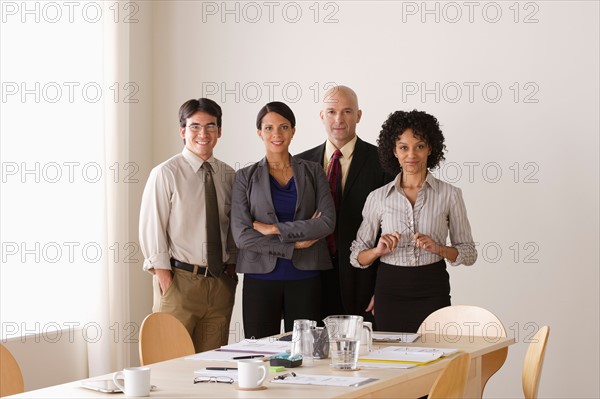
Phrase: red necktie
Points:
(334, 177)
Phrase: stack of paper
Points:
(263, 345)
(247, 347)
(406, 354)
(220, 356)
(327, 380)
(401, 337)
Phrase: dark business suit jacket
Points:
(365, 175)
(251, 200)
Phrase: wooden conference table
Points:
(174, 378)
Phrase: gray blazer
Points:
(251, 200)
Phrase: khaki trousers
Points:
(203, 304)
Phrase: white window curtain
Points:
(109, 354)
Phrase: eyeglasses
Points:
(208, 128)
(410, 249)
(408, 229)
(221, 379)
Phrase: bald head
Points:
(331, 96)
(340, 115)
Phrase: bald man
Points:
(346, 289)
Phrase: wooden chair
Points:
(163, 337)
(534, 359)
(11, 379)
(451, 382)
(473, 321)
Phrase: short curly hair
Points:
(424, 126)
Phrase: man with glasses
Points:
(184, 230)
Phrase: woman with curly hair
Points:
(406, 223)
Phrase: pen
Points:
(247, 357)
(221, 368)
(286, 375)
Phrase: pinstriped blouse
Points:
(439, 212)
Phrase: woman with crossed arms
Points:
(416, 212)
(282, 210)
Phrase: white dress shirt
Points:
(173, 215)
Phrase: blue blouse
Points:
(284, 200)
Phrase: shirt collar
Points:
(194, 161)
(430, 181)
(347, 150)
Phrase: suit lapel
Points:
(300, 180)
(358, 160)
(264, 184)
(318, 155)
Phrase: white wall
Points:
(541, 213)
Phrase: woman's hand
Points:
(271, 229)
(265, 229)
(304, 244)
(425, 242)
(387, 243)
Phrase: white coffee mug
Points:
(366, 338)
(137, 381)
(251, 373)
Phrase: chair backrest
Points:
(11, 379)
(451, 382)
(471, 321)
(534, 359)
(163, 337)
(463, 320)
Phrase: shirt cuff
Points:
(466, 256)
(356, 249)
(158, 261)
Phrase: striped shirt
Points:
(439, 211)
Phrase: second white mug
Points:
(137, 381)
(251, 373)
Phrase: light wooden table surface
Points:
(174, 378)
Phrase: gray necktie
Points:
(214, 250)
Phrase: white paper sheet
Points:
(327, 380)
(220, 355)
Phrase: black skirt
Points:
(405, 296)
